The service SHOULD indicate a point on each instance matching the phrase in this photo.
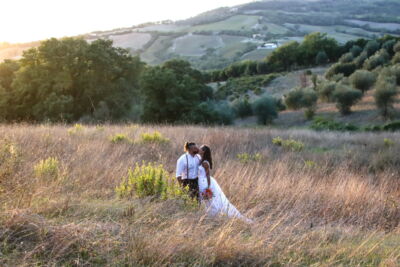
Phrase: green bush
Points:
(265, 109)
(212, 112)
(47, 170)
(325, 91)
(153, 138)
(379, 59)
(321, 58)
(391, 126)
(120, 138)
(396, 58)
(302, 98)
(327, 124)
(371, 47)
(385, 94)
(246, 157)
(345, 97)
(76, 129)
(289, 144)
(341, 68)
(242, 108)
(149, 180)
(346, 58)
(396, 47)
(363, 80)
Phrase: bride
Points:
(218, 203)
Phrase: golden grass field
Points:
(334, 203)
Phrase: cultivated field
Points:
(320, 199)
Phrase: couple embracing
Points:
(193, 171)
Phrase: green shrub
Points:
(345, 97)
(396, 47)
(47, 170)
(363, 80)
(9, 161)
(302, 98)
(388, 142)
(321, 58)
(120, 138)
(323, 124)
(346, 58)
(341, 68)
(396, 58)
(246, 157)
(265, 109)
(379, 59)
(212, 112)
(391, 126)
(356, 50)
(76, 129)
(371, 47)
(385, 94)
(325, 91)
(242, 108)
(153, 138)
(149, 180)
(289, 144)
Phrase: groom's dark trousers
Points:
(193, 185)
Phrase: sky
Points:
(32, 20)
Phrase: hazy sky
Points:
(30, 20)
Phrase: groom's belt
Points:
(191, 178)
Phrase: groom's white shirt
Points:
(181, 166)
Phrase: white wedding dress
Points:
(219, 203)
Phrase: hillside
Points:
(323, 199)
(217, 38)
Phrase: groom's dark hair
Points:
(188, 145)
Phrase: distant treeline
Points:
(316, 49)
(71, 80)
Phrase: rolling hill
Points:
(220, 37)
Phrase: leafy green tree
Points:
(302, 98)
(171, 92)
(346, 58)
(325, 91)
(345, 97)
(7, 74)
(321, 58)
(371, 47)
(263, 67)
(378, 59)
(265, 109)
(362, 80)
(396, 47)
(341, 68)
(285, 57)
(385, 94)
(356, 50)
(242, 108)
(315, 42)
(67, 79)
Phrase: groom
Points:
(187, 168)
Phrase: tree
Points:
(378, 59)
(341, 68)
(321, 58)
(371, 47)
(284, 57)
(362, 80)
(325, 91)
(64, 80)
(315, 42)
(7, 74)
(345, 97)
(302, 98)
(265, 109)
(356, 50)
(171, 92)
(385, 94)
(242, 108)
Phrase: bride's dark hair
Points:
(207, 155)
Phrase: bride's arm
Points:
(207, 168)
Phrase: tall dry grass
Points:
(335, 203)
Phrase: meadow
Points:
(316, 198)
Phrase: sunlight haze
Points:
(25, 20)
